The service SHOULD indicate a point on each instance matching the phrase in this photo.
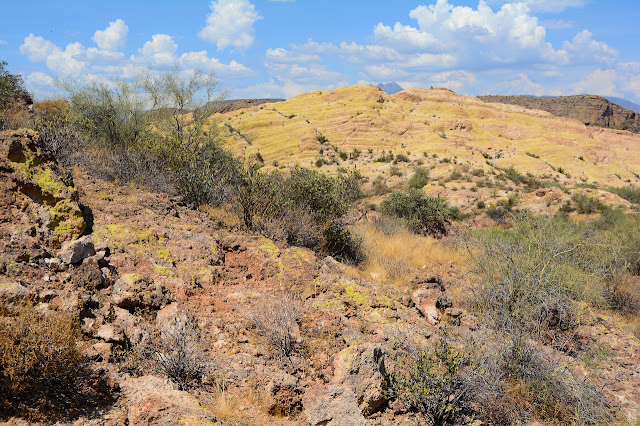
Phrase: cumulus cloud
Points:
(553, 6)
(112, 38)
(107, 60)
(583, 49)
(599, 82)
(230, 24)
(3, 43)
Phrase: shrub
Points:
(431, 382)
(176, 353)
(419, 178)
(586, 204)
(423, 213)
(277, 320)
(43, 375)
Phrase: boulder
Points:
(361, 367)
(111, 333)
(152, 401)
(75, 251)
(335, 405)
(12, 293)
(283, 395)
(133, 291)
(426, 300)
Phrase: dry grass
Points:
(225, 215)
(224, 405)
(394, 254)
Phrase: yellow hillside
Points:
(462, 131)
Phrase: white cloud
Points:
(454, 80)
(112, 38)
(160, 51)
(552, 6)
(39, 79)
(583, 49)
(599, 82)
(106, 61)
(3, 43)
(230, 24)
(403, 38)
(523, 85)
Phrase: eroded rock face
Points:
(590, 109)
(39, 205)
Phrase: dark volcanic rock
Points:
(590, 109)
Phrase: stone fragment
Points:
(335, 405)
(75, 251)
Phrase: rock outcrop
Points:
(590, 109)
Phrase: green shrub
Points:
(423, 213)
(431, 382)
(586, 204)
(630, 193)
(419, 178)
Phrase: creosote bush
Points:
(423, 213)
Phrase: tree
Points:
(11, 86)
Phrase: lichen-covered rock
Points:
(37, 199)
(361, 367)
(138, 291)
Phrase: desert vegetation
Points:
(252, 286)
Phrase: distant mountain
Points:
(390, 88)
(625, 103)
(234, 104)
(590, 109)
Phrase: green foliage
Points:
(430, 381)
(11, 86)
(531, 272)
(586, 204)
(630, 193)
(419, 178)
(423, 213)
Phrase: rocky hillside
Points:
(278, 335)
(462, 141)
(590, 109)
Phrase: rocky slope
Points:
(590, 109)
(144, 260)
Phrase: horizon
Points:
(279, 49)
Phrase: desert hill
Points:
(589, 109)
(460, 139)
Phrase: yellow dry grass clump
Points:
(395, 255)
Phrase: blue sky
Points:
(262, 48)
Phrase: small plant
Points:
(321, 138)
(586, 204)
(394, 170)
(431, 382)
(442, 134)
(532, 155)
(419, 178)
(343, 155)
(176, 352)
(277, 320)
(319, 162)
(423, 213)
